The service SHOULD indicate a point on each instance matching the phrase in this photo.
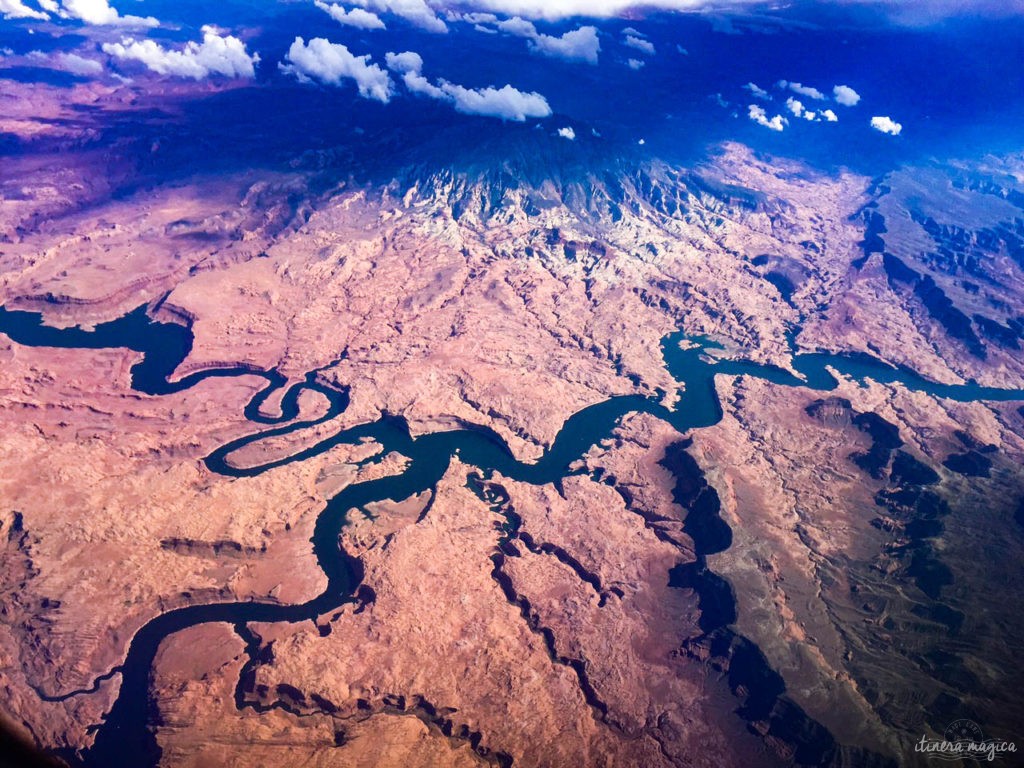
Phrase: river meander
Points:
(124, 739)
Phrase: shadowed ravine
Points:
(124, 738)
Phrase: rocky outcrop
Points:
(814, 561)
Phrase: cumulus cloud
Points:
(797, 108)
(803, 90)
(887, 125)
(356, 17)
(16, 9)
(410, 66)
(331, 63)
(635, 64)
(416, 12)
(639, 44)
(759, 116)
(405, 62)
(100, 13)
(845, 95)
(576, 45)
(216, 55)
(567, 133)
(507, 103)
(518, 27)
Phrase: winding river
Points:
(124, 739)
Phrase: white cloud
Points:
(563, 9)
(403, 63)
(759, 116)
(576, 45)
(216, 55)
(518, 27)
(639, 44)
(331, 63)
(507, 103)
(567, 133)
(887, 125)
(356, 17)
(417, 83)
(78, 65)
(473, 18)
(68, 62)
(635, 63)
(758, 92)
(16, 9)
(414, 11)
(424, 13)
(100, 13)
(846, 96)
(410, 66)
(803, 90)
(797, 108)
(919, 12)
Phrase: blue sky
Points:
(863, 84)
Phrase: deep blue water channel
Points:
(124, 739)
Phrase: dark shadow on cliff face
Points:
(759, 689)
(18, 752)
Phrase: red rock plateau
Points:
(804, 582)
